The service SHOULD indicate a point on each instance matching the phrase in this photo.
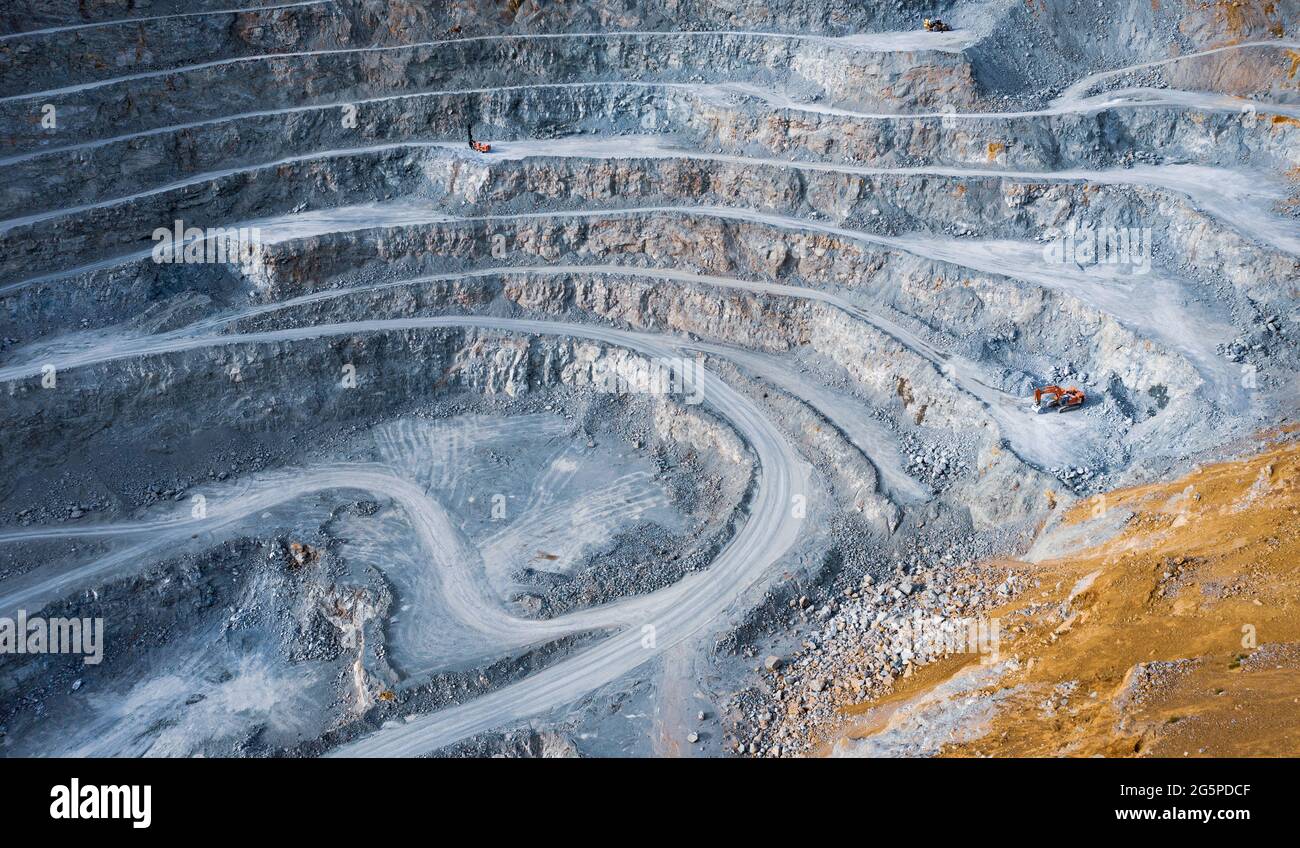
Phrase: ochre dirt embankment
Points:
(1177, 634)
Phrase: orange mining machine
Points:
(1062, 399)
(480, 146)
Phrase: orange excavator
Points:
(1061, 398)
(480, 146)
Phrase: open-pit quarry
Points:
(669, 415)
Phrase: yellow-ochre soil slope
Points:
(1164, 621)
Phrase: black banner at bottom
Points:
(334, 798)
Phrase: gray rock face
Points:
(685, 398)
